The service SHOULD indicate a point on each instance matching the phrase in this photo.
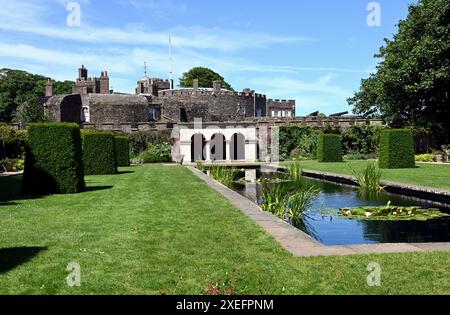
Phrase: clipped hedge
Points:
(396, 149)
(329, 148)
(98, 153)
(53, 159)
(122, 151)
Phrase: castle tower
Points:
(104, 83)
(49, 88)
(82, 73)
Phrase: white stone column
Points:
(250, 150)
(228, 150)
(208, 150)
(185, 151)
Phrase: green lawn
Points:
(160, 230)
(433, 175)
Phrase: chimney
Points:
(104, 83)
(195, 85)
(217, 86)
(49, 88)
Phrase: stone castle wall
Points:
(186, 105)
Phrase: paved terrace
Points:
(299, 243)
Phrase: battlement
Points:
(280, 102)
(207, 92)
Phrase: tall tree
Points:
(205, 78)
(18, 87)
(412, 81)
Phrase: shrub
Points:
(396, 149)
(424, 158)
(361, 139)
(122, 151)
(53, 159)
(98, 153)
(360, 156)
(329, 148)
(298, 142)
(157, 153)
(141, 141)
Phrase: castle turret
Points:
(104, 83)
(82, 73)
(49, 88)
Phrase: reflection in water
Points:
(323, 223)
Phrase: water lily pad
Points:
(391, 213)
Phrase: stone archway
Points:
(198, 143)
(237, 147)
(218, 147)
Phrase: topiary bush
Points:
(329, 148)
(122, 151)
(396, 149)
(53, 159)
(98, 153)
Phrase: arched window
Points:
(237, 147)
(198, 147)
(218, 147)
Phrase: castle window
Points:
(152, 114)
(183, 115)
(85, 117)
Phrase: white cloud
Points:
(31, 17)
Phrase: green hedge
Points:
(122, 151)
(53, 159)
(396, 149)
(98, 153)
(329, 148)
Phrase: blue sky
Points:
(313, 51)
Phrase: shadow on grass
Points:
(11, 190)
(96, 188)
(11, 258)
(124, 172)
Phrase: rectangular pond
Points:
(322, 222)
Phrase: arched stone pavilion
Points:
(216, 142)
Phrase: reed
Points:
(287, 201)
(224, 175)
(369, 178)
(294, 171)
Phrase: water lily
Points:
(367, 214)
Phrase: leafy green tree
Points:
(30, 111)
(18, 87)
(205, 78)
(412, 81)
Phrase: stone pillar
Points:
(195, 85)
(228, 150)
(208, 150)
(185, 151)
(250, 150)
(217, 86)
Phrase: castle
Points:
(92, 102)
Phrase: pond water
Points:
(322, 222)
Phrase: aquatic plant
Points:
(199, 166)
(299, 202)
(223, 174)
(394, 213)
(287, 201)
(294, 171)
(369, 178)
